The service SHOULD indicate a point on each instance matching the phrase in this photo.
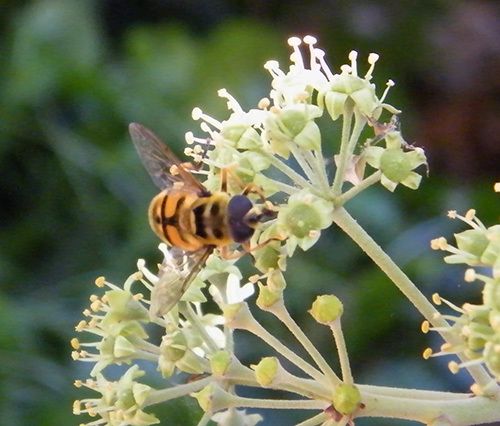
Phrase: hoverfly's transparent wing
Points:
(161, 163)
(177, 273)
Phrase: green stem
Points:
(343, 154)
(456, 412)
(194, 320)
(338, 335)
(280, 348)
(346, 150)
(304, 164)
(280, 311)
(355, 190)
(162, 395)
(345, 221)
(278, 404)
(287, 171)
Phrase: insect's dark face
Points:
(240, 226)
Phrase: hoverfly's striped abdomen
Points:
(189, 221)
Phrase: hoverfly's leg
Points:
(252, 188)
(249, 249)
(228, 254)
(223, 179)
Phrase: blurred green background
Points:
(74, 195)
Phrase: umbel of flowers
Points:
(278, 147)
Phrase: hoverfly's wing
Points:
(161, 163)
(177, 273)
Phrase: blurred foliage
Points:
(74, 196)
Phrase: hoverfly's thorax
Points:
(237, 209)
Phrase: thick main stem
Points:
(347, 223)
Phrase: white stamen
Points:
(353, 56)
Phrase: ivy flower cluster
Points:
(278, 147)
(477, 326)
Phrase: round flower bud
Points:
(491, 356)
(268, 297)
(265, 371)
(346, 399)
(219, 362)
(326, 309)
(472, 241)
(305, 213)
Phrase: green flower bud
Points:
(472, 241)
(491, 254)
(268, 257)
(492, 357)
(124, 307)
(326, 309)
(204, 398)
(213, 398)
(293, 124)
(360, 93)
(265, 371)
(491, 294)
(276, 281)
(305, 213)
(268, 297)
(219, 363)
(174, 347)
(140, 392)
(123, 348)
(241, 136)
(346, 399)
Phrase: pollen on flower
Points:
(100, 281)
(454, 367)
(353, 56)
(294, 41)
(439, 243)
(75, 343)
(427, 353)
(264, 103)
(471, 214)
(436, 299)
(452, 214)
(470, 275)
(496, 187)
(196, 114)
(425, 327)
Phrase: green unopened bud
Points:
(346, 399)
(241, 136)
(268, 257)
(123, 348)
(492, 357)
(174, 346)
(124, 307)
(140, 392)
(204, 398)
(348, 91)
(293, 124)
(268, 297)
(304, 214)
(213, 398)
(491, 254)
(219, 363)
(491, 294)
(231, 311)
(472, 241)
(276, 281)
(326, 309)
(265, 371)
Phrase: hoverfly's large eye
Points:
(238, 207)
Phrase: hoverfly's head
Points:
(244, 217)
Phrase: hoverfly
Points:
(188, 217)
